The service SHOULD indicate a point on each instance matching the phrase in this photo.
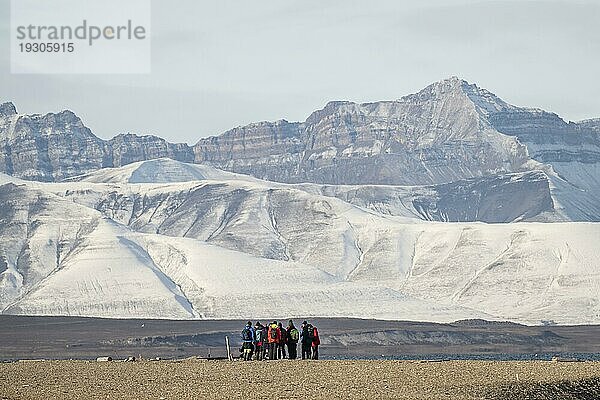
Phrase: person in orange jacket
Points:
(274, 337)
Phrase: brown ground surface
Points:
(197, 379)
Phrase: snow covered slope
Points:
(160, 170)
(60, 258)
(500, 198)
(240, 248)
(64, 259)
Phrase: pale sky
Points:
(221, 64)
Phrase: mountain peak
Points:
(485, 101)
(7, 109)
(448, 84)
(452, 81)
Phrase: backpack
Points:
(273, 333)
(259, 335)
(311, 332)
(294, 335)
(246, 334)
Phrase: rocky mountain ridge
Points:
(448, 132)
(56, 146)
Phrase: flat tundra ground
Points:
(197, 379)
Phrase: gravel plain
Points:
(199, 379)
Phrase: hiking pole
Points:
(229, 357)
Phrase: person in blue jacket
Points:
(248, 338)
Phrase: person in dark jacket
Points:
(265, 348)
(260, 338)
(282, 342)
(248, 338)
(292, 340)
(306, 342)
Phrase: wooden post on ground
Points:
(229, 357)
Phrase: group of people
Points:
(269, 342)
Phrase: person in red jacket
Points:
(315, 343)
(274, 337)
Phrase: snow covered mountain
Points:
(62, 258)
(522, 196)
(451, 131)
(56, 146)
(432, 137)
(230, 246)
(478, 199)
(442, 205)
